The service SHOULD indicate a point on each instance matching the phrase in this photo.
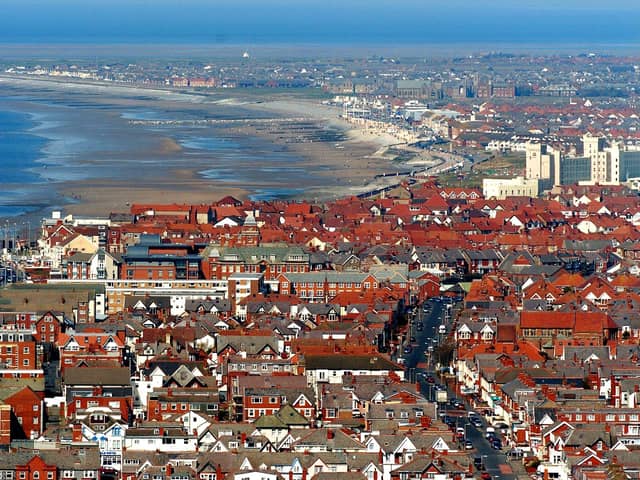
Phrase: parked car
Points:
(468, 445)
(485, 475)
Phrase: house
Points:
(109, 381)
(333, 368)
(99, 265)
(27, 410)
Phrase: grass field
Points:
(497, 165)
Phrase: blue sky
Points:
(315, 21)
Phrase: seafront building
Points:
(599, 162)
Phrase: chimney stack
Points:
(77, 432)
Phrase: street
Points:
(420, 365)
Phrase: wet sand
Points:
(347, 167)
(332, 157)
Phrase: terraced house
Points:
(220, 262)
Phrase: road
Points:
(494, 462)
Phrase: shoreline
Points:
(343, 167)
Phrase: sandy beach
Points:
(331, 157)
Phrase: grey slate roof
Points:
(349, 362)
(102, 376)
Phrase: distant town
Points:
(472, 317)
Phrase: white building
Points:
(499, 188)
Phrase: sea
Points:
(20, 149)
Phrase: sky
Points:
(581, 22)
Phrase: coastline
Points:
(324, 169)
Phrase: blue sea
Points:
(20, 149)
(540, 24)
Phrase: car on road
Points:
(419, 327)
(407, 349)
(468, 445)
(476, 422)
(496, 444)
(412, 339)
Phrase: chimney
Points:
(243, 439)
(219, 475)
(168, 469)
(330, 434)
(76, 432)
